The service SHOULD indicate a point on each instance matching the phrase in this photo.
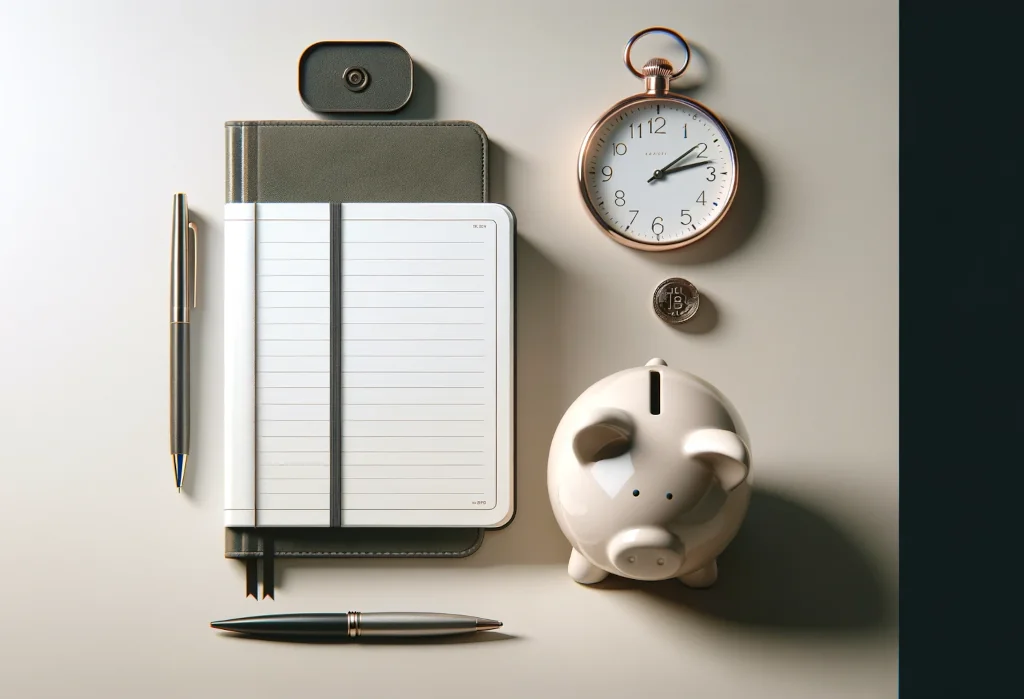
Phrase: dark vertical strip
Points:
(250, 163)
(268, 567)
(336, 413)
(251, 587)
(242, 177)
(234, 138)
(255, 360)
(655, 393)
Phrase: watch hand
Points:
(658, 173)
(680, 158)
(687, 166)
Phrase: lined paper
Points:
(419, 364)
(425, 339)
(293, 334)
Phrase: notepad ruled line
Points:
(418, 259)
(387, 420)
(375, 404)
(412, 478)
(414, 275)
(409, 451)
(462, 492)
(373, 372)
(413, 242)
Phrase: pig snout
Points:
(646, 553)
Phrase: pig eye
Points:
(636, 493)
(668, 496)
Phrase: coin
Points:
(676, 300)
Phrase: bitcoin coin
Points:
(676, 300)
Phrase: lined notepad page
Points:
(419, 364)
(293, 353)
(425, 414)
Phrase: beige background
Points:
(110, 577)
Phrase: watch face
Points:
(659, 172)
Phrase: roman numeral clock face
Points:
(659, 173)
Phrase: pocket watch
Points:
(657, 171)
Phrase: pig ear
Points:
(723, 452)
(606, 434)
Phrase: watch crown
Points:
(657, 66)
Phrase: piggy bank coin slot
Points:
(655, 393)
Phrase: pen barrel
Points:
(180, 388)
(391, 624)
(180, 261)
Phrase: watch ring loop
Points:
(651, 30)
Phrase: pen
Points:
(356, 624)
(184, 263)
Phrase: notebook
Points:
(369, 364)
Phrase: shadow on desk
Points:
(533, 537)
(482, 637)
(788, 569)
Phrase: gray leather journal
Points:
(352, 161)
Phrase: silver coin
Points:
(676, 300)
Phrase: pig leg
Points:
(583, 571)
(702, 577)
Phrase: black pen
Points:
(356, 624)
(184, 263)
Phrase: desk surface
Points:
(109, 110)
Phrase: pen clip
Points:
(194, 241)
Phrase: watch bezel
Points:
(610, 114)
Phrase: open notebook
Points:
(369, 374)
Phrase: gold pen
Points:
(184, 286)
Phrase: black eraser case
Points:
(339, 77)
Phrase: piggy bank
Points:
(649, 477)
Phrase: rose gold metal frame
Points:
(622, 105)
(651, 30)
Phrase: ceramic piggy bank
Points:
(649, 477)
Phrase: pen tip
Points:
(180, 461)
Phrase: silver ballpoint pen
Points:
(356, 624)
(184, 281)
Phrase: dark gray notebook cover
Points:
(358, 161)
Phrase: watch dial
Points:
(659, 172)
